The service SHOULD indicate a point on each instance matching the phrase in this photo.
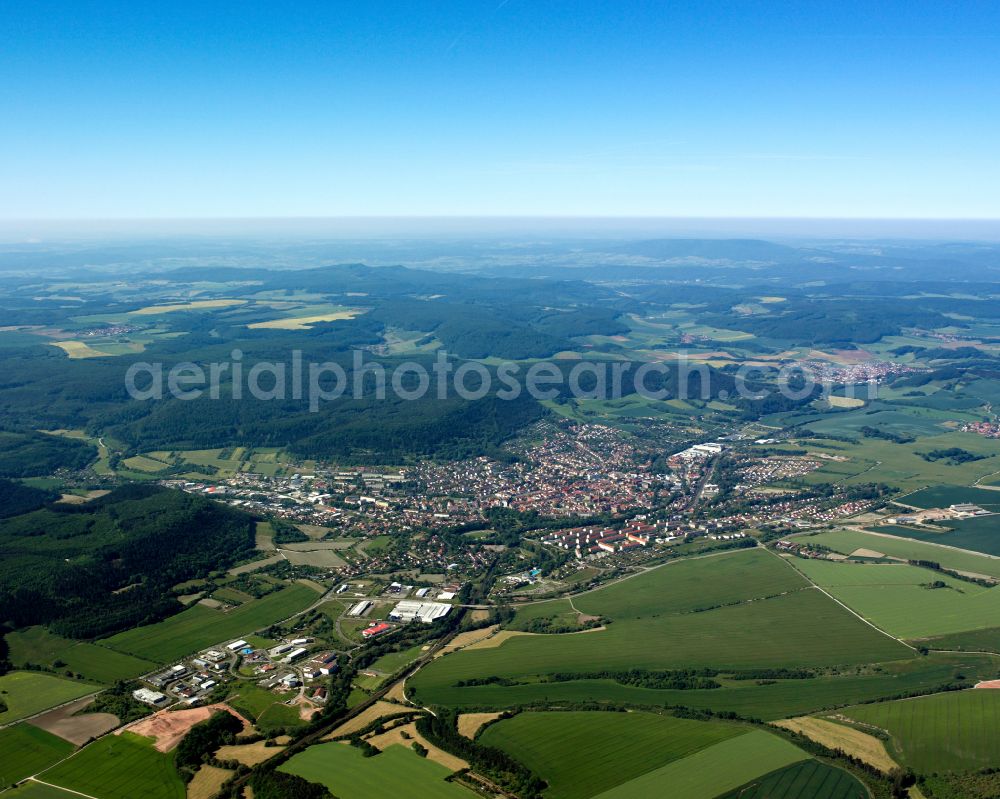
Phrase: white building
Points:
(149, 697)
(427, 612)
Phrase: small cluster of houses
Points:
(594, 540)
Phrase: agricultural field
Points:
(890, 544)
(954, 731)
(199, 627)
(980, 534)
(38, 790)
(898, 598)
(713, 771)
(945, 495)
(582, 754)
(92, 662)
(26, 693)
(900, 465)
(304, 318)
(122, 766)
(392, 662)
(807, 780)
(771, 701)
(26, 750)
(662, 629)
(194, 305)
(394, 773)
(265, 708)
(986, 640)
(692, 585)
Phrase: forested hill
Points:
(108, 565)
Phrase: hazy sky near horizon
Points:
(523, 107)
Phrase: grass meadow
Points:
(396, 772)
(655, 624)
(26, 693)
(26, 750)
(581, 754)
(896, 597)
(122, 766)
(199, 627)
(713, 771)
(810, 779)
(954, 731)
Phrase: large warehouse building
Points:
(409, 610)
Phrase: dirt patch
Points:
(867, 553)
(207, 781)
(75, 729)
(248, 754)
(470, 723)
(167, 727)
(363, 719)
(398, 693)
(988, 684)
(479, 615)
(496, 639)
(837, 736)
(467, 639)
(395, 736)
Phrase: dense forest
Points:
(107, 565)
(29, 454)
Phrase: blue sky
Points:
(215, 109)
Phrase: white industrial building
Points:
(360, 608)
(410, 610)
(149, 697)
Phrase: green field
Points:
(713, 771)
(122, 766)
(770, 701)
(692, 585)
(980, 534)
(953, 731)
(987, 640)
(397, 772)
(876, 460)
(581, 754)
(848, 541)
(26, 750)
(29, 692)
(199, 627)
(945, 495)
(36, 790)
(388, 664)
(894, 597)
(39, 646)
(660, 630)
(265, 708)
(807, 780)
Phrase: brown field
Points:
(167, 727)
(207, 782)
(838, 736)
(469, 723)
(75, 729)
(398, 693)
(303, 322)
(395, 736)
(363, 719)
(77, 349)
(988, 684)
(194, 305)
(465, 639)
(248, 754)
(867, 553)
